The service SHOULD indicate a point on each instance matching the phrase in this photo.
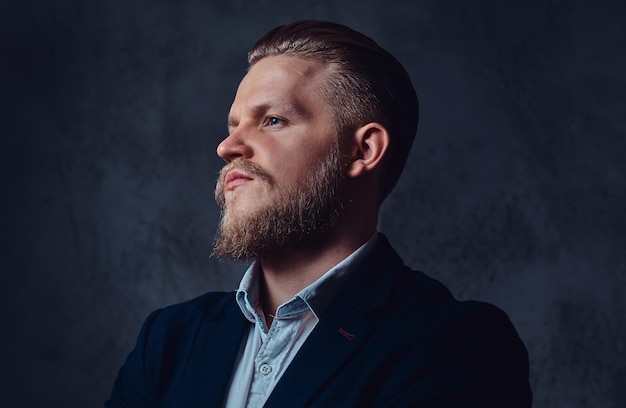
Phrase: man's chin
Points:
(239, 238)
(242, 243)
(233, 248)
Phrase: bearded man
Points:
(327, 315)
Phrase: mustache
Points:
(247, 167)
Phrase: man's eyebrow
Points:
(259, 109)
(279, 107)
(231, 122)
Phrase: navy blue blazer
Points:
(393, 337)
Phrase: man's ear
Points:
(368, 147)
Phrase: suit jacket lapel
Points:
(340, 331)
(214, 348)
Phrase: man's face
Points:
(280, 187)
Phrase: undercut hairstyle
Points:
(366, 84)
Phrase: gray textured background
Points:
(514, 192)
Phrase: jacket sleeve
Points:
(132, 385)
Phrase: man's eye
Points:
(273, 121)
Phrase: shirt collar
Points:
(316, 297)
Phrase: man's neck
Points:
(285, 275)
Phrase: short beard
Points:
(296, 217)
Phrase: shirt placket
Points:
(276, 343)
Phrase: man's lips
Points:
(235, 178)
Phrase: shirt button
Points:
(265, 369)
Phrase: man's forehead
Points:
(282, 72)
(279, 82)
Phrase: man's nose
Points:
(233, 147)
